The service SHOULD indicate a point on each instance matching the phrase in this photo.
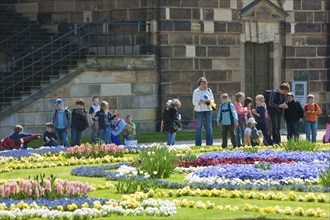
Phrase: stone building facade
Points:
(238, 45)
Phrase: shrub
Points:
(299, 145)
(157, 161)
(325, 177)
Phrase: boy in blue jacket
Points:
(227, 115)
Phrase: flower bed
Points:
(302, 156)
(48, 188)
(149, 207)
(276, 171)
(30, 152)
(203, 162)
(94, 151)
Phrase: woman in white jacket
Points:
(202, 97)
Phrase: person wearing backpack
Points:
(251, 134)
(165, 115)
(292, 114)
(227, 115)
(173, 122)
(61, 122)
(260, 114)
(202, 97)
(311, 111)
(104, 118)
(275, 101)
(79, 122)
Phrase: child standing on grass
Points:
(227, 115)
(251, 135)
(104, 117)
(95, 107)
(241, 118)
(172, 123)
(62, 122)
(260, 116)
(50, 137)
(79, 122)
(311, 111)
(248, 106)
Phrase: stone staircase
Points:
(37, 64)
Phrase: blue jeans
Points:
(75, 137)
(292, 128)
(62, 135)
(275, 118)
(170, 137)
(263, 129)
(311, 126)
(240, 135)
(105, 134)
(207, 117)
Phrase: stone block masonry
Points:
(194, 38)
(131, 91)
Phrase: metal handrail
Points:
(91, 37)
(20, 38)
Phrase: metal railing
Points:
(19, 39)
(108, 38)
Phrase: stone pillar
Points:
(277, 61)
(242, 61)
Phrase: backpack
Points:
(266, 114)
(82, 122)
(166, 114)
(315, 107)
(231, 114)
(267, 97)
(66, 112)
(255, 133)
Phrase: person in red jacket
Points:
(311, 111)
(18, 139)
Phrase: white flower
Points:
(155, 172)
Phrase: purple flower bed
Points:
(277, 171)
(297, 187)
(55, 202)
(302, 156)
(28, 152)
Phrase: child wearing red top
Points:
(311, 111)
(241, 118)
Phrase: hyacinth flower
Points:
(32, 189)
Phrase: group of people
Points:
(104, 124)
(243, 122)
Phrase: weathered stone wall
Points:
(198, 38)
(195, 38)
(306, 50)
(132, 90)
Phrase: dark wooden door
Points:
(257, 72)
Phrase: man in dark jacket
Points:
(275, 106)
(293, 112)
